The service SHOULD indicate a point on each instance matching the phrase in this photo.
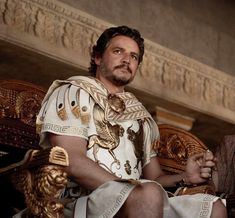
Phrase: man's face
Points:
(120, 61)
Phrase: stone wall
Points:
(202, 30)
(64, 33)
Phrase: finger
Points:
(196, 157)
(206, 170)
(215, 161)
(208, 155)
(209, 164)
(199, 162)
(205, 175)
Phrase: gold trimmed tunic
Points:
(120, 134)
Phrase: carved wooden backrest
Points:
(175, 146)
(19, 104)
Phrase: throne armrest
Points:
(41, 177)
(174, 148)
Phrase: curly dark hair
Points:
(106, 36)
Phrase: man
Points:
(109, 137)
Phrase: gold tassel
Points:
(74, 104)
(62, 114)
(76, 111)
(85, 115)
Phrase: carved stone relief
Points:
(70, 31)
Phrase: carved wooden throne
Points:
(39, 174)
(21, 156)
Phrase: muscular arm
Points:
(154, 172)
(81, 169)
(198, 170)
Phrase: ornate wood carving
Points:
(19, 105)
(39, 174)
(176, 146)
(41, 178)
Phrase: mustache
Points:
(125, 66)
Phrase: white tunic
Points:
(79, 107)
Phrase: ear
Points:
(97, 60)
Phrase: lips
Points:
(125, 70)
(124, 67)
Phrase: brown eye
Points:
(117, 51)
(134, 57)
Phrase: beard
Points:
(115, 79)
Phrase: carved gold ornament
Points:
(108, 136)
(116, 103)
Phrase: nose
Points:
(126, 58)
